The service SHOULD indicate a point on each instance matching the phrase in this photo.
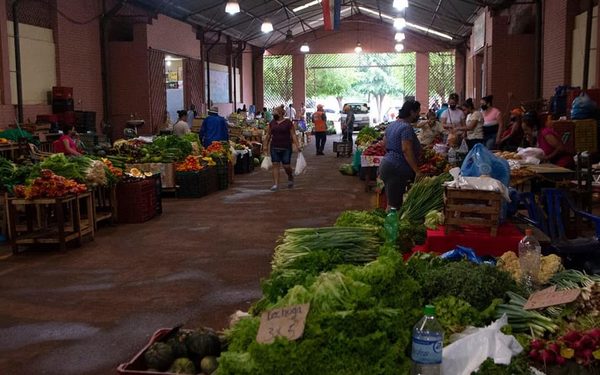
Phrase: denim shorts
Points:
(281, 155)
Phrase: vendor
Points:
(512, 137)
(453, 119)
(399, 165)
(181, 127)
(547, 139)
(493, 126)
(429, 129)
(66, 144)
(473, 124)
(214, 128)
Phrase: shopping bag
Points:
(464, 148)
(480, 161)
(266, 163)
(300, 164)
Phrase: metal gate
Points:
(278, 80)
(442, 74)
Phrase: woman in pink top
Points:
(66, 144)
(493, 126)
(548, 140)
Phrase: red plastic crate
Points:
(136, 201)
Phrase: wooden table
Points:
(51, 220)
(551, 172)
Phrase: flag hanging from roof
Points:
(331, 14)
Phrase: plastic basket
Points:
(586, 135)
(243, 164)
(191, 184)
(136, 201)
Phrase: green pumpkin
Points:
(209, 364)
(204, 343)
(159, 356)
(183, 366)
(178, 344)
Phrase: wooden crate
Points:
(472, 207)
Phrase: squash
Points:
(159, 356)
(209, 364)
(135, 172)
(183, 366)
(204, 343)
(178, 344)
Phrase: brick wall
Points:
(173, 36)
(422, 94)
(557, 36)
(246, 76)
(78, 54)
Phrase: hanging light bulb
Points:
(304, 48)
(169, 63)
(400, 4)
(399, 37)
(399, 47)
(399, 23)
(358, 48)
(232, 7)
(266, 26)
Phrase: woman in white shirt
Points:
(181, 127)
(453, 119)
(473, 125)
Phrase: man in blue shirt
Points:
(439, 112)
(214, 128)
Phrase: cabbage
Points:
(434, 218)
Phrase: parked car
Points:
(362, 115)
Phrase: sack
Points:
(300, 164)
(481, 161)
(583, 107)
(266, 163)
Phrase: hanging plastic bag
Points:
(266, 163)
(464, 148)
(466, 354)
(300, 164)
(480, 161)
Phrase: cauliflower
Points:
(549, 266)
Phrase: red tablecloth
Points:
(476, 238)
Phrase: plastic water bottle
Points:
(452, 156)
(391, 226)
(427, 344)
(530, 253)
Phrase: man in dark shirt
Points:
(214, 128)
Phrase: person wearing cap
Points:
(319, 119)
(214, 128)
(512, 137)
(181, 127)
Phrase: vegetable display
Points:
(549, 266)
(367, 135)
(49, 185)
(424, 196)
(376, 149)
(190, 164)
(164, 149)
(433, 163)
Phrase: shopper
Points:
(430, 129)
(348, 128)
(290, 112)
(280, 137)
(267, 114)
(452, 120)
(473, 124)
(191, 115)
(547, 139)
(512, 137)
(319, 119)
(214, 128)
(492, 122)
(181, 127)
(440, 111)
(399, 165)
(66, 143)
(301, 121)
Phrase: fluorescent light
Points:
(367, 10)
(307, 5)
(399, 37)
(169, 63)
(304, 48)
(168, 57)
(266, 27)
(358, 48)
(399, 47)
(399, 23)
(232, 7)
(428, 30)
(400, 4)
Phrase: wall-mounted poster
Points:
(479, 33)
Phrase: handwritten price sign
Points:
(286, 322)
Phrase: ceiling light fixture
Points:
(358, 48)
(399, 47)
(408, 24)
(399, 37)
(232, 7)
(307, 5)
(169, 63)
(266, 26)
(304, 48)
(400, 4)
(399, 23)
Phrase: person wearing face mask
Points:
(66, 143)
(281, 136)
(399, 165)
(492, 122)
(453, 119)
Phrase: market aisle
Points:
(86, 310)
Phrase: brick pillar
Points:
(258, 79)
(299, 80)
(4, 68)
(423, 80)
(460, 68)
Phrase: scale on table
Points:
(131, 126)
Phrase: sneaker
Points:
(274, 188)
(290, 182)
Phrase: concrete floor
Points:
(88, 309)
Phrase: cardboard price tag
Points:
(551, 297)
(285, 322)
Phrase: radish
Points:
(572, 336)
(595, 333)
(586, 342)
(547, 357)
(534, 354)
(537, 344)
(560, 360)
(554, 347)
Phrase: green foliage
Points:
(519, 365)
(68, 167)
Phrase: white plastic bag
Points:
(300, 164)
(464, 148)
(465, 355)
(483, 183)
(266, 163)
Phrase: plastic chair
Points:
(580, 253)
